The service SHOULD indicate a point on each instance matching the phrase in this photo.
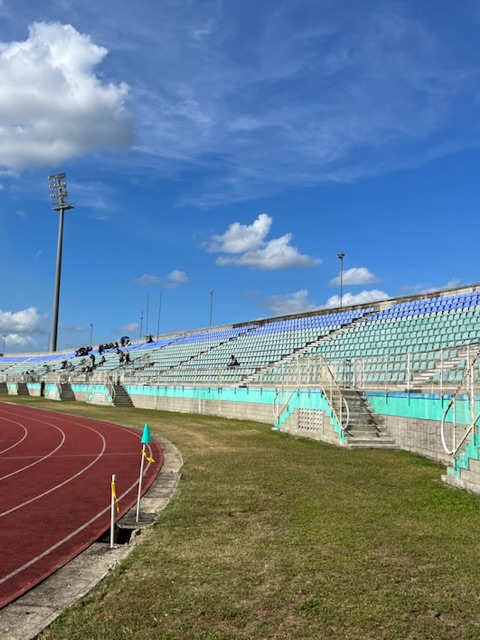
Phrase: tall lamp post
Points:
(91, 334)
(58, 194)
(341, 256)
(159, 314)
(4, 337)
(211, 305)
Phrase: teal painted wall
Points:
(421, 406)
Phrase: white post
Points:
(140, 485)
(441, 373)
(112, 512)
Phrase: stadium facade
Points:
(398, 373)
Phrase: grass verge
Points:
(270, 536)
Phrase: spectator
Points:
(233, 362)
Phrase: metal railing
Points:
(314, 372)
(466, 391)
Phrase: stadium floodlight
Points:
(4, 338)
(58, 194)
(159, 314)
(341, 256)
(211, 305)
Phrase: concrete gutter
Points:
(27, 616)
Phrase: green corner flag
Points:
(146, 438)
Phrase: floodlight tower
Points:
(211, 305)
(58, 194)
(341, 256)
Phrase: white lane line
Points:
(65, 539)
(61, 484)
(28, 466)
(15, 444)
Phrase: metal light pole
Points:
(4, 338)
(91, 334)
(58, 194)
(341, 256)
(211, 305)
(159, 314)
(141, 323)
(146, 319)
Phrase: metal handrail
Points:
(453, 400)
(343, 402)
(277, 404)
(110, 386)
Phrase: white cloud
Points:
(53, 106)
(355, 275)
(172, 280)
(129, 329)
(21, 324)
(424, 288)
(297, 302)
(176, 278)
(337, 98)
(248, 242)
(17, 340)
(147, 280)
(239, 238)
(360, 298)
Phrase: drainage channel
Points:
(121, 535)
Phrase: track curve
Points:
(55, 488)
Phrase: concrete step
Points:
(371, 443)
(121, 399)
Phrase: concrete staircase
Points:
(365, 428)
(22, 389)
(121, 399)
(66, 392)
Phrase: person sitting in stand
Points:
(102, 361)
(233, 362)
(127, 358)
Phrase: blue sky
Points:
(236, 147)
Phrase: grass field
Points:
(269, 536)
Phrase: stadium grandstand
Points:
(398, 373)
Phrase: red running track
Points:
(55, 489)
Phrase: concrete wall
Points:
(240, 404)
(414, 421)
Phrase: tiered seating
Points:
(404, 340)
(7, 362)
(386, 343)
(162, 363)
(266, 343)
